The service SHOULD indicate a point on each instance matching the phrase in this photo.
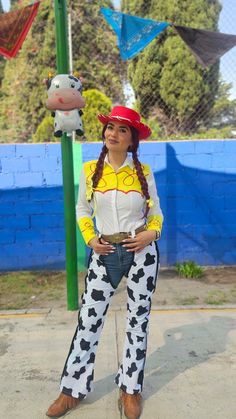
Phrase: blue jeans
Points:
(118, 263)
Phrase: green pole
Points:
(67, 164)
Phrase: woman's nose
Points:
(114, 132)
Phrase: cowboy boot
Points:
(62, 405)
(131, 404)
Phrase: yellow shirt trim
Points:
(154, 222)
(87, 228)
(124, 180)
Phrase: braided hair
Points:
(142, 179)
(133, 149)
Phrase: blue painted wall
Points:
(196, 182)
(31, 207)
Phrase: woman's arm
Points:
(155, 216)
(84, 211)
(85, 221)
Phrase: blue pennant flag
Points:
(134, 33)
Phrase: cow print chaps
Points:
(77, 376)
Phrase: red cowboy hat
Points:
(128, 117)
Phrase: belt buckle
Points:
(116, 237)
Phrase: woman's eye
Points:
(57, 85)
(72, 85)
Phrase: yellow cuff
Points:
(154, 222)
(87, 228)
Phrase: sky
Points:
(5, 5)
(226, 24)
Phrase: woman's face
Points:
(118, 137)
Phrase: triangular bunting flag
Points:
(207, 46)
(134, 33)
(14, 27)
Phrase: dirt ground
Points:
(32, 290)
(216, 287)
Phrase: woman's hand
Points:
(100, 246)
(139, 242)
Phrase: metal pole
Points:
(70, 56)
(70, 44)
(67, 164)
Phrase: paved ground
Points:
(190, 369)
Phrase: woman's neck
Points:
(116, 159)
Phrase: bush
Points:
(189, 269)
(45, 131)
(96, 102)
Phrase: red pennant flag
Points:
(14, 27)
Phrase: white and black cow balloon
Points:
(65, 101)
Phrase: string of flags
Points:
(14, 27)
(135, 33)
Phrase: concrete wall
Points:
(196, 182)
(31, 207)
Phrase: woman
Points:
(121, 193)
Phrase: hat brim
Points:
(143, 130)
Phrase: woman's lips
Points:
(113, 141)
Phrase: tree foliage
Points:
(173, 92)
(45, 131)
(94, 54)
(168, 82)
(2, 67)
(223, 113)
(2, 60)
(23, 107)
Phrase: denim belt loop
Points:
(133, 234)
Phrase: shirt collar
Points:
(128, 162)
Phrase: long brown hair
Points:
(139, 170)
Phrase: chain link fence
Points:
(176, 96)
